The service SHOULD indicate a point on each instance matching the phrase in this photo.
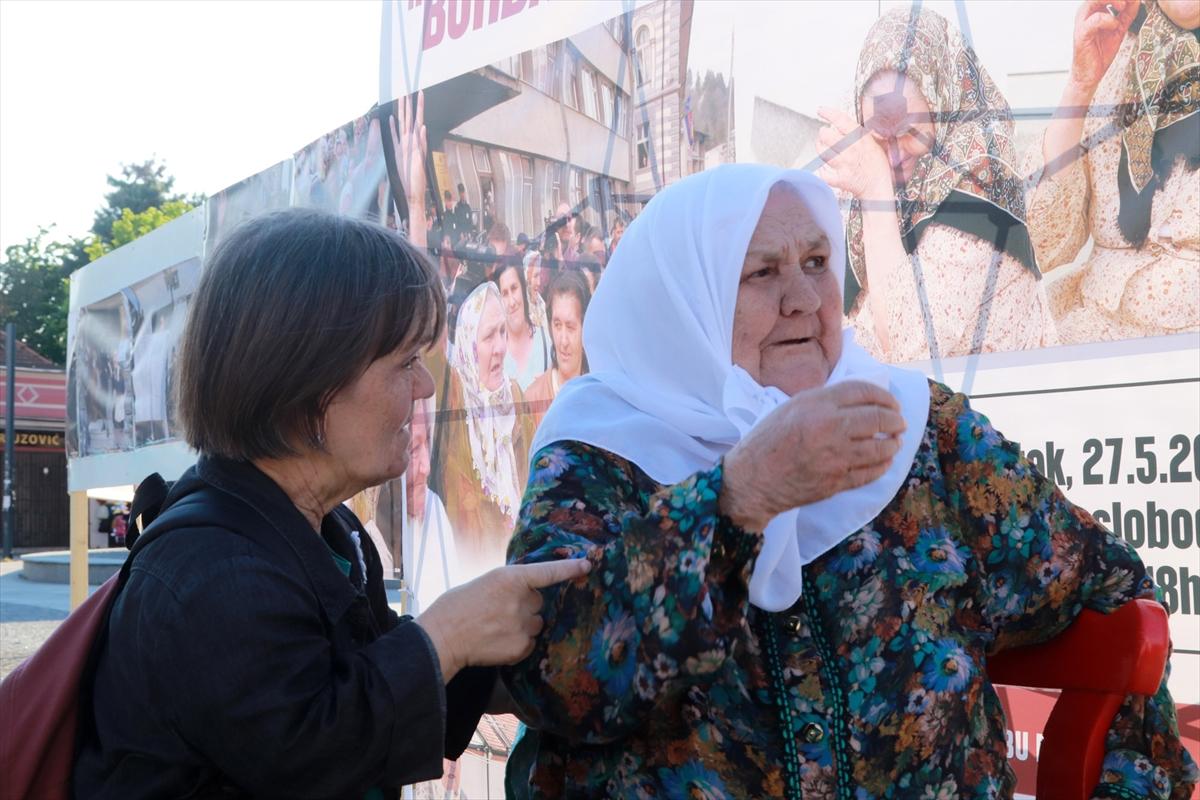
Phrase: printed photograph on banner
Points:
(267, 191)
(996, 198)
(343, 171)
(519, 177)
(120, 369)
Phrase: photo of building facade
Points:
(596, 122)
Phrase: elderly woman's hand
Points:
(492, 620)
(1097, 37)
(817, 444)
(854, 161)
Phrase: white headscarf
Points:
(663, 391)
(490, 415)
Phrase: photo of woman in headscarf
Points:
(1120, 164)
(940, 261)
(486, 450)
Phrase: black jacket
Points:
(240, 661)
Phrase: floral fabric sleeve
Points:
(661, 609)
(955, 296)
(1042, 560)
(1058, 207)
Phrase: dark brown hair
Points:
(568, 283)
(292, 307)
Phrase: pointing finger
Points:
(548, 573)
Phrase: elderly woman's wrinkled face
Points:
(367, 422)
(491, 345)
(787, 324)
(898, 118)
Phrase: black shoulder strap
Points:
(200, 508)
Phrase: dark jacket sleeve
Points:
(257, 684)
(467, 693)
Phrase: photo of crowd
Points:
(520, 223)
(976, 227)
(121, 368)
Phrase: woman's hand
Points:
(820, 442)
(493, 619)
(854, 161)
(1097, 37)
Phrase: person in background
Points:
(464, 221)
(499, 246)
(802, 558)
(254, 653)
(618, 230)
(593, 245)
(429, 536)
(589, 266)
(1125, 175)
(569, 297)
(548, 265)
(941, 263)
(528, 353)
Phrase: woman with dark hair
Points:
(528, 352)
(254, 653)
(939, 257)
(1126, 174)
(569, 297)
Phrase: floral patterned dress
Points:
(654, 677)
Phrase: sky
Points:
(216, 90)
(220, 90)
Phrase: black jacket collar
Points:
(279, 526)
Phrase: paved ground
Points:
(29, 612)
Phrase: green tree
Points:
(132, 225)
(138, 188)
(33, 290)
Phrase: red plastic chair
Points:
(1096, 662)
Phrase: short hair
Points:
(292, 307)
(498, 232)
(446, 194)
(568, 283)
(461, 188)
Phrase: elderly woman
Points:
(1126, 174)
(939, 254)
(485, 458)
(798, 576)
(254, 653)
